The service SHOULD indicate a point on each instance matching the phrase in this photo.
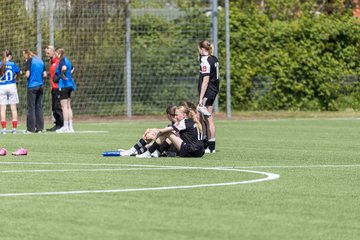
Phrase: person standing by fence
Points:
(208, 87)
(34, 72)
(55, 101)
(8, 90)
(66, 86)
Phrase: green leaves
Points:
(300, 59)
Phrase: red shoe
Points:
(3, 152)
(20, 152)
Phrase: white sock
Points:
(70, 124)
(66, 124)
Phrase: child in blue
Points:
(66, 86)
(8, 90)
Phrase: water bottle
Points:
(111, 154)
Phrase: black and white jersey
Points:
(190, 134)
(209, 66)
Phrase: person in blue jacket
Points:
(34, 72)
(66, 85)
(8, 90)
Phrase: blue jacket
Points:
(36, 67)
(69, 81)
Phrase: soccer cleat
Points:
(203, 110)
(131, 152)
(3, 131)
(14, 131)
(71, 130)
(63, 129)
(3, 152)
(53, 129)
(155, 154)
(20, 152)
(146, 154)
(209, 151)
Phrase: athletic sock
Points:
(66, 124)
(3, 124)
(70, 124)
(205, 141)
(14, 124)
(211, 145)
(142, 150)
(140, 145)
(163, 147)
(153, 147)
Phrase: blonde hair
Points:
(28, 53)
(191, 114)
(207, 45)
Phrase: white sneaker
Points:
(62, 130)
(203, 110)
(209, 151)
(3, 131)
(155, 154)
(131, 152)
(70, 130)
(146, 154)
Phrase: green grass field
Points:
(87, 196)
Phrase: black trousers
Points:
(56, 107)
(35, 114)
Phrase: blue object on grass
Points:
(111, 154)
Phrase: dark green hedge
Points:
(305, 62)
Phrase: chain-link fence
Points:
(161, 35)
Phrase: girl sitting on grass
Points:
(185, 135)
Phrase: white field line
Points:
(269, 177)
(185, 167)
(84, 170)
(302, 166)
(83, 131)
(83, 164)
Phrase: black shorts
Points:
(65, 93)
(185, 151)
(211, 96)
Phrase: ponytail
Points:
(208, 46)
(191, 114)
(28, 53)
(3, 61)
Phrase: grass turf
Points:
(316, 196)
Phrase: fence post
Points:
(128, 60)
(214, 35)
(51, 22)
(38, 27)
(227, 46)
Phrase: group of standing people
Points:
(61, 81)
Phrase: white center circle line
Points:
(269, 177)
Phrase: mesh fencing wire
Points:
(164, 37)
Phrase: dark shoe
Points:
(53, 129)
